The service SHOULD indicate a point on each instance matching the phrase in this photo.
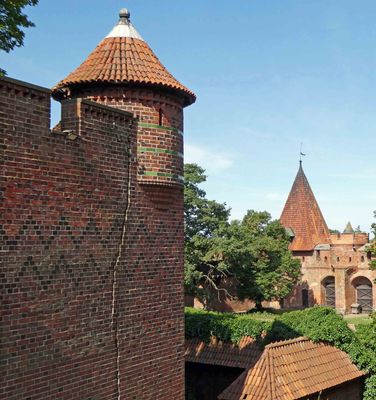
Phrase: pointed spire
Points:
(349, 228)
(124, 27)
(122, 58)
(302, 214)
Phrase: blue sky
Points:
(268, 76)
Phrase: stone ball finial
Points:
(124, 13)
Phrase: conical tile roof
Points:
(349, 228)
(123, 57)
(302, 214)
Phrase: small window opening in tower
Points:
(362, 258)
(337, 259)
(303, 258)
(160, 117)
(349, 259)
(326, 259)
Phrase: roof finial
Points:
(301, 154)
(124, 15)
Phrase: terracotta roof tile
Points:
(124, 60)
(243, 355)
(292, 369)
(302, 214)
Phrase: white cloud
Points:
(210, 159)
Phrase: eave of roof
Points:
(292, 369)
(123, 58)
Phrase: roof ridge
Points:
(286, 342)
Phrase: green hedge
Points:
(225, 326)
(317, 323)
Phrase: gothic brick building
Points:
(91, 267)
(335, 267)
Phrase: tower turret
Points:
(123, 72)
(303, 216)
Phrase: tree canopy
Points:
(252, 252)
(12, 22)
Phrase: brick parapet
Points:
(73, 210)
(61, 215)
(160, 129)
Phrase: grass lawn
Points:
(357, 319)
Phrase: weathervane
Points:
(301, 153)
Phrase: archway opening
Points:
(329, 291)
(363, 293)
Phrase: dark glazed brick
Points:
(62, 218)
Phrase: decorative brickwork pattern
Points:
(160, 129)
(92, 219)
(92, 262)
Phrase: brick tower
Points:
(123, 72)
(91, 230)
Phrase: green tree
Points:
(203, 218)
(12, 22)
(253, 252)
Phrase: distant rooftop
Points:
(302, 216)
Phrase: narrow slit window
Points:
(160, 117)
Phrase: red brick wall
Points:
(154, 344)
(73, 218)
(160, 128)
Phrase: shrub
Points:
(225, 326)
(317, 323)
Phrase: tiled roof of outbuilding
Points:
(293, 369)
(243, 355)
(302, 214)
(123, 57)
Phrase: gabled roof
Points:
(123, 57)
(243, 355)
(293, 369)
(302, 214)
